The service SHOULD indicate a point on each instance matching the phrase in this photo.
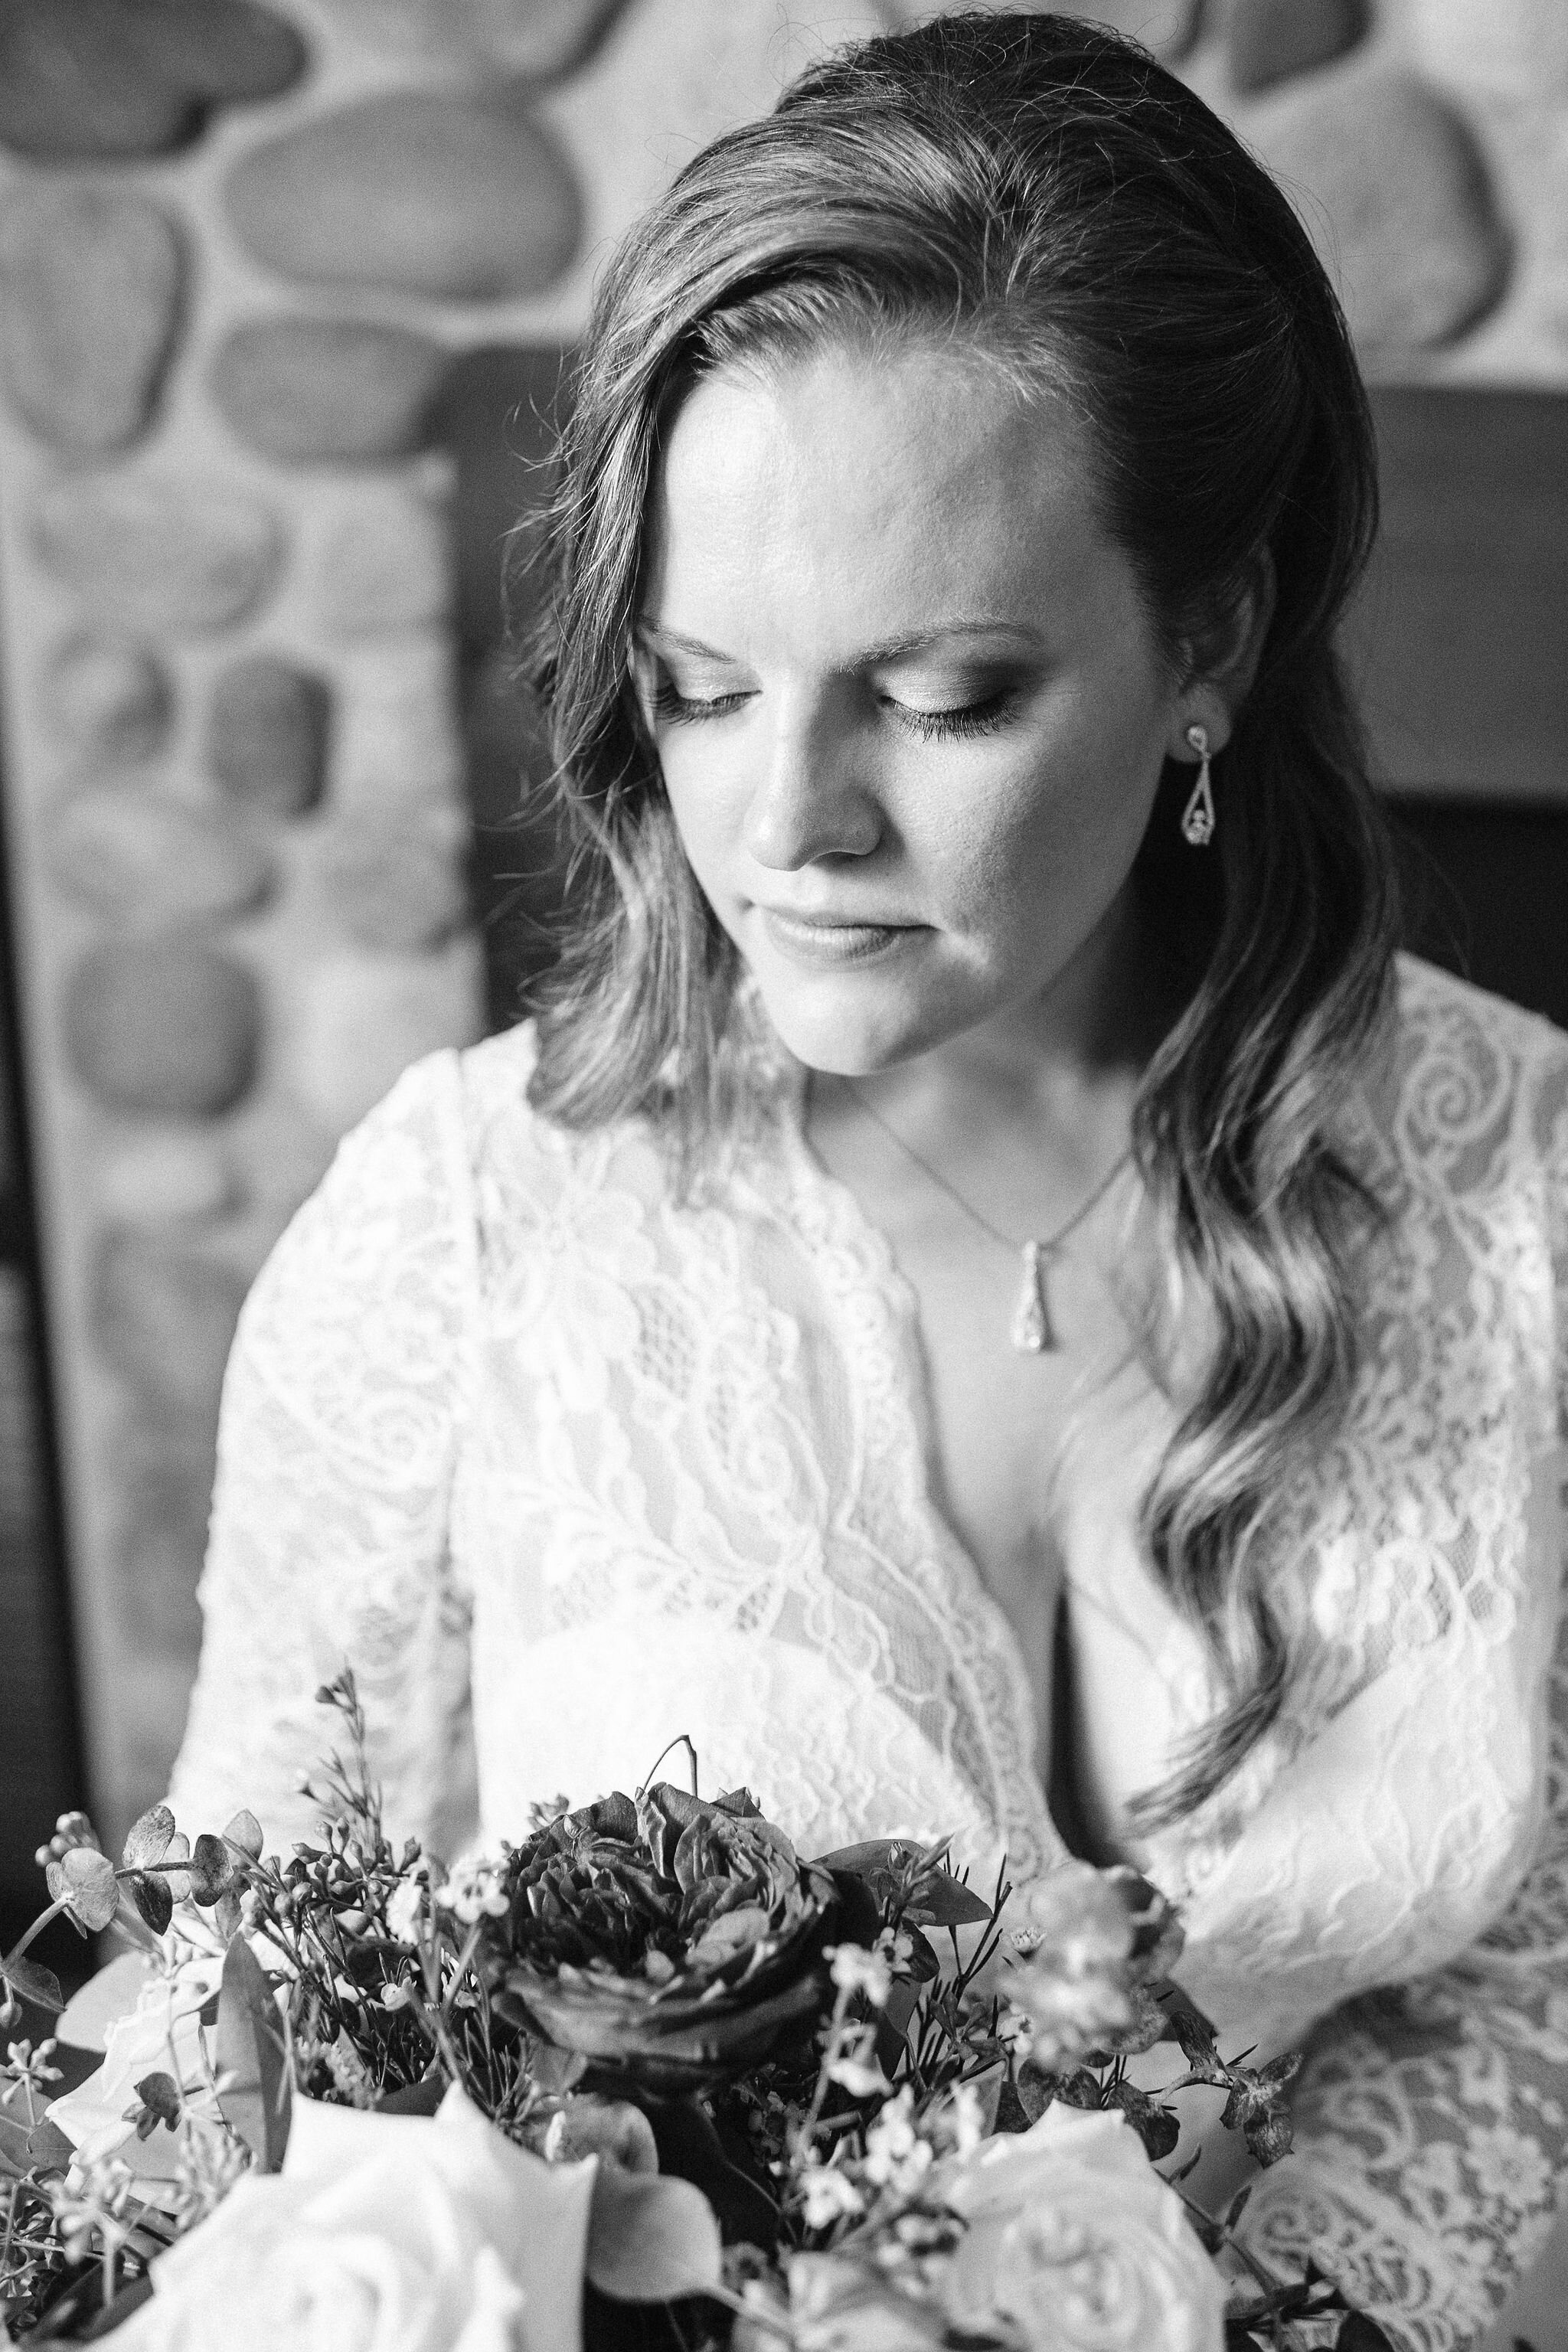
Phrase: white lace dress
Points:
(566, 1468)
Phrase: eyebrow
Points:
(911, 641)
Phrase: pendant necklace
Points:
(1032, 1331)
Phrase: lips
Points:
(819, 938)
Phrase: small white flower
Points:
(967, 2118)
(405, 1910)
(472, 1894)
(855, 1969)
(828, 2196)
(395, 1997)
(861, 2080)
(897, 2157)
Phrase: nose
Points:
(807, 801)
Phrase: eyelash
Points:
(968, 720)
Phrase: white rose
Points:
(1076, 2243)
(161, 2035)
(383, 2234)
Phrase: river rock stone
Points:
(542, 38)
(317, 390)
(279, 1151)
(162, 1313)
(395, 881)
(157, 551)
(363, 1018)
(82, 81)
(168, 1028)
(1408, 226)
(511, 757)
(437, 191)
(397, 736)
(165, 1180)
(90, 301)
(110, 701)
(1269, 40)
(381, 560)
(148, 861)
(499, 413)
(1168, 27)
(161, 1502)
(268, 726)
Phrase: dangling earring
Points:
(1199, 817)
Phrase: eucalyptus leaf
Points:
(153, 1900)
(160, 2095)
(943, 1900)
(33, 1983)
(84, 1879)
(211, 1869)
(149, 1838)
(49, 2148)
(251, 2053)
(868, 1859)
(245, 1832)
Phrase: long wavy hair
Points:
(1040, 194)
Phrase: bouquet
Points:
(647, 2078)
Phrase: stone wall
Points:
(244, 253)
(252, 261)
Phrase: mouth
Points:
(830, 940)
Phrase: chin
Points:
(849, 1026)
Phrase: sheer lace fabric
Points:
(566, 1468)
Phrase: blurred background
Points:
(286, 294)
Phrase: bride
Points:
(988, 1297)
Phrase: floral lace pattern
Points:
(566, 1466)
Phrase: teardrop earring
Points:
(1199, 816)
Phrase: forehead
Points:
(858, 489)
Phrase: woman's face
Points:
(909, 707)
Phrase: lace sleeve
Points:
(343, 1396)
(1432, 2119)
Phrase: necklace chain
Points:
(1046, 1248)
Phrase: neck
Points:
(1070, 1059)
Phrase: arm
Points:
(1432, 2127)
(1432, 2120)
(341, 1408)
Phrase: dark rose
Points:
(670, 1939)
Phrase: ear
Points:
(1221, 659)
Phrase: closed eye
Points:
(963, 718)
(981, 717)
(682, 707)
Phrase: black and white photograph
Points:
(784, 1176)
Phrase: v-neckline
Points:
(882, 1284)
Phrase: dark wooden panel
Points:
(1485, 894)
(1460, 641)
(40, 1765)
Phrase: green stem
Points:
(39, 1924)
(461, 1967)
(1270, 2286)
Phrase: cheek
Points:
(1016, 852)
(706, 817)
